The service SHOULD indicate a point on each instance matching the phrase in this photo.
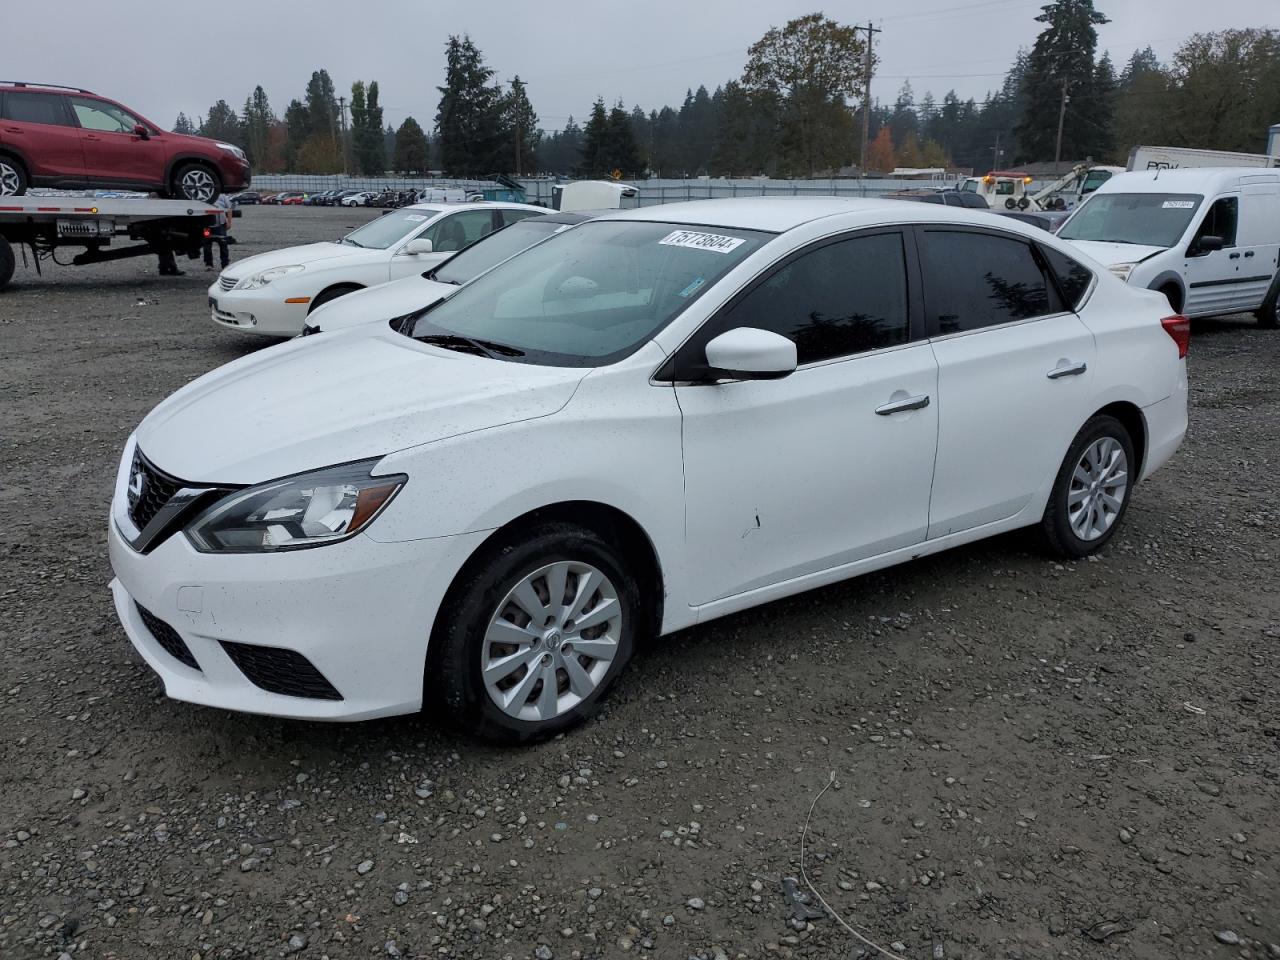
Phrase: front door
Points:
(789, 477)
(1213, 276)
(1014, 375)
(39, 128)
(113, 152)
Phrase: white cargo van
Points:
(1208, 239)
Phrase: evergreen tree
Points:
(183, 124)
(595, 142)
(1142, 108)
(222, 123)
(622, 153)
(257, 120)
(520, 130)
(411, 153)
(297, 124)
(561, 151)
(1061, 64)
(368, 139)
(469, 122)
(735, 149)
(322, 105)
(904, 123)
(642, 131)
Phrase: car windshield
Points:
(1146, 219)
(493, 249)
(588, 296)
(390, 228)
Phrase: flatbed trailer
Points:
(44, 225)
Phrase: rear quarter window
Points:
(1073, 277)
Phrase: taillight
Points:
(1178, 327)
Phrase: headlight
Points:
(303, 511)
(231, 148)
(1122, 270)
(257, 280)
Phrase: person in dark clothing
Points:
(218, 234)
(164, 253)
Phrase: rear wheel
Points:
(13, 178)
(7, 263)
(195, 181)
(1091, 492)
(1269, 314)
(528, 643)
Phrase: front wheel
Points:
(13, 178)
(1091, 492)
(194, 181)
(528, 643)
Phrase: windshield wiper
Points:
(352, 242)
(483, 348)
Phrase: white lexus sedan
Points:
(643, 423)
(272, 293)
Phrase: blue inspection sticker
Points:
(693, 286)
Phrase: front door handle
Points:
(1068, 370)
(899, 406)
(1233, 256)
(12, 129)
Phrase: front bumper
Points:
(261, 311)
(359, 611)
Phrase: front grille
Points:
(278, 670)
(227, 283)
(167, 637)
(149, 490)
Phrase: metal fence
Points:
(651, 192)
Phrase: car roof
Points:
(567, 216)
(779, 214)
(1188, 180)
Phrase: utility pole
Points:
(995, 153)
(342, 115)
(1062, 115)
(866, 97)
(517, 146)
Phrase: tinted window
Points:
(975, 280)
(515, 216)
(1073, 278)
(842, 298)
(34, 108)
(460, 230)
(107, 117)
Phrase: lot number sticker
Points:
(702, 241)
(1179, 205)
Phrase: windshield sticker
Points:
(1178, 205)
(415, 218)
(693, 286)
(702, 241)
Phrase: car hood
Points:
(382, 302)
(1109, 254)
(352, 395)
(306, 255)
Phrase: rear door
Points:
(1258, 237)
(38, 126)
(1014, 374)
(113, 152)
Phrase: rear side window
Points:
(1073, 277)
(843, 298)
(976, 280)
(34, 108)
(515, 216)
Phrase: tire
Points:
(1269, 313)
(462, 644)
(195, 181)
(328, 296)
(1069, 525)
(8, 263)
(13, 178)
(1173, 295)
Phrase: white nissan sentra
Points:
(273, 293)
(640, 424)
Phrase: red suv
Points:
(72, 139)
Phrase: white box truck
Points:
(1179, 158)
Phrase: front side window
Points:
(976, 280)
(459, 230)
(1220, 221)
(840, 299)
(389, 229)
(34, 108)
(1146, 219)
(588, 296)
(102, 116)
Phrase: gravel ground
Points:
(1030, 759)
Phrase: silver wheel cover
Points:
(9, 179)
(197, 184)
(551, 641)
(1099, 485)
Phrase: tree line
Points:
(789, 113)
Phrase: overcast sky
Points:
(153, 56)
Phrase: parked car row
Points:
(390, 199)
(529, 457)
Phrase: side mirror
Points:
(417, 246)
(1208, 245)
(749, 353)
(141, 132)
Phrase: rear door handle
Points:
(1068, 370)
(899, 406)
(12, 129)
(1248, 254)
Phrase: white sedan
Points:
(272, 293)
(643, 423)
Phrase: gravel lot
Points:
(1030, 759)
